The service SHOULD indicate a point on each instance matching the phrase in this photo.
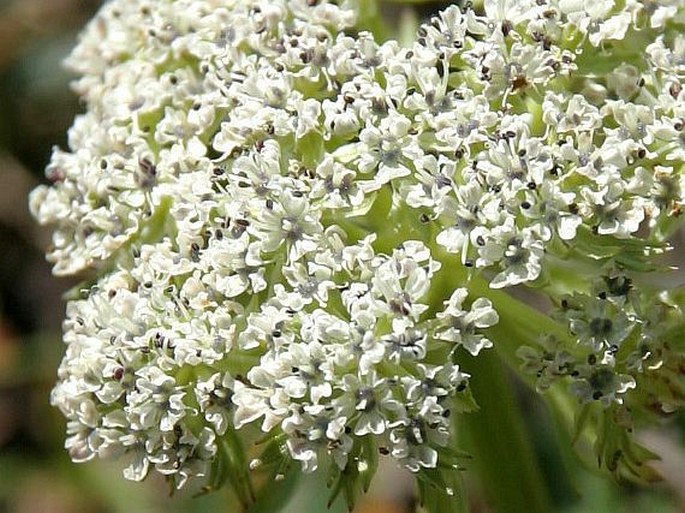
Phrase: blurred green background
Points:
(36, 108)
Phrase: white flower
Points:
(411, 444)
(289, 220)
(579, 116)
(518, 253)
(214, 398)
(387, 150)
(554, 210)
(613, 214)
(337, 187)
(461, 325)
(369, 402)
(473, 208)
(404, 343)
(599, 324)
(317, 430)
(400, 282)
(433, 382)
(601, 383)
(593, 18)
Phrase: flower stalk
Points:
(503, 457)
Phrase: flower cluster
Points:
(289, 220)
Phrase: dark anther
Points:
(619, 285)
(195, 252)
(147, 175)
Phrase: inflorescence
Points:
(291, 225)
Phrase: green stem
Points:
(521, 324)
(237, 467)
(496, 434)
(503, 455)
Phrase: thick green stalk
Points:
(496, 435)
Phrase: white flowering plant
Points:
(303, 244)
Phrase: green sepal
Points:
(451, 458)
(356, 477)
(345, 481)
(275, 454)
(369, 453)
(580, 422)
(463, 402)
(619, 453)
(629, 253)
(277, 490)
(609, 431)
(441, 491)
